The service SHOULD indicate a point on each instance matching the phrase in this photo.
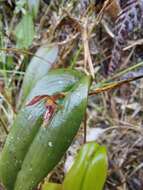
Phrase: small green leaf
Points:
(25, 31)
(51, 186)
(97, 171)
(89, 170)
(74, 178)
(38, 67)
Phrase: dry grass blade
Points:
(87, 56)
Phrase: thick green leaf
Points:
(34, 7)
(89, 169)
(97, 171)
(27, 124)
(51, 186)
(25, 31)
(38, 67)
(55, 80)
(52, 141)
(20, 137)
(74, 178)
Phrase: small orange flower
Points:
(50, 105)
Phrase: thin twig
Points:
(100, 15)
(20, 51)
(114, 85)
(133, 44)
(121, 73)
(87, 56)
